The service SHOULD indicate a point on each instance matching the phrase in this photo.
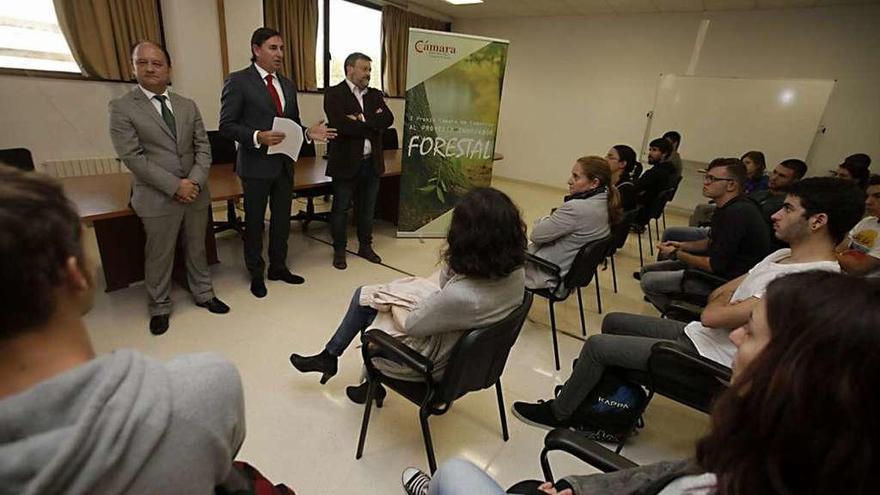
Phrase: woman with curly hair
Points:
(480, 283)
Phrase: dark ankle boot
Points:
(324, 363)
(358, 394)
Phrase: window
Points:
(353, 27)
(30, 37)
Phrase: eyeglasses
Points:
(711, 179)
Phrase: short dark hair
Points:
(735, 167)
(843, 201)
(259, 37)
(487, 237)
(673, 136)
(799, 167)
(859, 172)
(859, 159)
(39, 230)
(874, 180)
(758, 159)
(802, 416)
(661, 144)
(352, 59)
(157, 45)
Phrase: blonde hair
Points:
(596, 167)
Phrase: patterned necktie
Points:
(274, 94)
(167, 116)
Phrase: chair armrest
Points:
(703, 276)
(586, 450)
(670, 349)
(389, 347)
(691, 311)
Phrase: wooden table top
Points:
(100, 197)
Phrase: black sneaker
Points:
(540, 414)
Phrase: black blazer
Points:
(347, 150)
(245, 107)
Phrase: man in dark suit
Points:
(251, 99)
(160, 137)
(356, 160)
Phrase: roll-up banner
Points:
(453, 94)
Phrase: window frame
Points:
(78, 76)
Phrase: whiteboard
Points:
(726, 117)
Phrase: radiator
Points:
(83, 166)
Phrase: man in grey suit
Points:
(251, 99)
(160, 137)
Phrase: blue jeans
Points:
(460, 477)
(355, 321)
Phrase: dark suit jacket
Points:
(347, 150)
(245, 107)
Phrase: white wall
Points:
(576, 86)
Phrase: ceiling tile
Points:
(730, 4)
(680, 5)
(632, 6)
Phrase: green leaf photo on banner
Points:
(452, 103)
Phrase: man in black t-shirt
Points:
(739, 239)
(658, 178)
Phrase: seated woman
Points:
(480, 283)
(584, 217)
(622, 160)
(756, 167)
(799, 416)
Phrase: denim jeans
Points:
(460, 477)
(355, 321)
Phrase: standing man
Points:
(251, 99)
(160, 137)
(356, 158)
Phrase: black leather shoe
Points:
(637, 275)
(285, 276)
(214, 305)
(258, 287)
(159, 324)
(358, 394)
(325, 363)
(367, 253)
(339, 260)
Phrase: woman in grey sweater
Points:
(481, 282)
(592, 204)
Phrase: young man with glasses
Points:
(738, 239)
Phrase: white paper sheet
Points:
(293, 138)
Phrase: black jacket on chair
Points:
(347, 150)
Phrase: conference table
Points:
(103, 202)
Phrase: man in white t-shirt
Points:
(859, 253)
(815, 217)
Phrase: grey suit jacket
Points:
(245, 107)
(156, 159)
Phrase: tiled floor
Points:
(305, 434)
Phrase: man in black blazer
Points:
(356, 161)
(251, 99)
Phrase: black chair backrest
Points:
(19, 158)
(584, 265)
(655, 209)
(620, 231)
(479, 356)
(389, 139)
(676, 181)
(222, 149)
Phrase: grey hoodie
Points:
(124, 423)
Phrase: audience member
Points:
(739, 239)
(674, 139)
(815, 217)
(74, 422)
(585, 215)
(854, 168)
(756, 165)
(480, 283)
(859, 253)
(623, 162)
(798, 417)
(660, 177)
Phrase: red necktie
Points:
(274, 94)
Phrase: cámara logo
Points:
(423, 46)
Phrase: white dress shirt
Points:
(275, 82)
(359, 95)
(156, 103)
